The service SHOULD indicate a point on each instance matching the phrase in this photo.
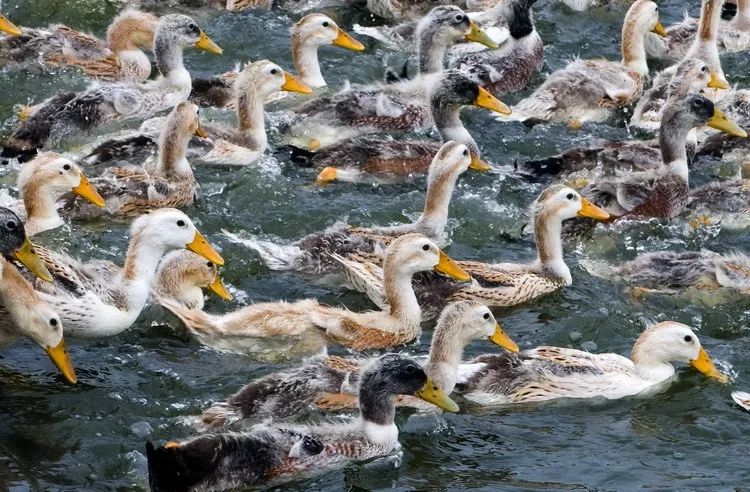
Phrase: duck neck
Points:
(437, 202)
(672, 141)
(705, 45)
(742, 19)
(548, 237)
(634, 48)
(141, 262)
(649, 364)
(41, 208)
(305, 60)
(168, 56)
(448, 122)
(446, 353)
(521, 22)
(431, 50)
(400, 295)
(378, 417)
(173, 146)
(251, 117)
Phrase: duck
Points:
(303, 323)
(119, 57)
(332, 383)
(590, 90)
(42, 182)
(741, 398)
(369, 159)
(8, 28)
(493, 284)
(622, 157)
(182, 276)
(277, 452)
(169, 182)
(99, 298)
(664, 192)
(70, 112)
(309, 34)
(24, 314)
(219, 144)
(551, 373)
(311, 254)
(16, 246)
(721, 202)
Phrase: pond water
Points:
(143, 383)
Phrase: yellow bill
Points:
(501, 338)
(659, 29)
(61, 359)
(488, 101)
(200, 132)
(206, 44)
(292, 84)
(720, 121)
(8, 27)
(591, 211)
(432, 394)
(717, 81)
(448, 267)
(25, 254)
(478, 164)
(201, 247)
(86, 190)
(705, 366)
(346, 41)
(218, 288)
(477, 35)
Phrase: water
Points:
(143, 383)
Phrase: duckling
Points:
(495, 284)
(308, 35)
(724, 202)
(550, 373)
(23, 313)
(182, 276)
(311, 254)
(589, 90)
(68, 113)
(120, 57)
(272, 453)
(283, 323)
(133, 190)
(99, 298)
(15, 245)
(664, 192)
(332, 383)
(42, 182)
(386, 160)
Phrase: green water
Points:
(143, 383)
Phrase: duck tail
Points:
(374, 32)
(112, 151)
(37, 129)
(196, 321)
(275, 256)
(299, 156)
(569, 162)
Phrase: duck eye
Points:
(193, 28)
(486, 316)
(704, 69)
(274, 71)
(181, 223)
(326, 24)
(426, 247)
(570, 196)
(11, 225)
(411, 370)
(688, 338)
(210, 264)
(466, 152)
(66, 167)
(53, 322)
(459, 17)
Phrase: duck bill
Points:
(591, 211)
(432, 394)
(200, 132)
(86, 190)
(218, 288)
(659, 29)
(206, 44)
(201, 247)
(8, 27)
(293, 84)
(477, 35)
(717, 81)
(478, 164)
(448, 267)
(501, 338)
(488, 101)
(705, 366)
(720, 121)
(59, 356)
(346, 41)
(31, 261)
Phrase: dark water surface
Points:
(143, 383)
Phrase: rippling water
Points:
(143, 383)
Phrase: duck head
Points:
(8, 27)
(563, 202)
(49, 175)
(262, 78)
(692, 76)
(412, 253)
(183, 274)
(642, 17)
(14, 244)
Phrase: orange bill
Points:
(25, 254)
(501, 338)
(60, 357)
(201, 247)
(448, 267)
(659, 29)
(705, 366)
(720, 121)
(86, 190)
(478, 164)
(218, 288)
(488, 101)
(591, 211)
(8, 27)
(477, 35)
(293, 84)
(200, 132)
(346, 41)
(206, 44)
(717, 81)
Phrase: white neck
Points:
(705, 45)
(305, 59)
(680, 168)
(437, 203)
(136, 58)
(401, 298)
(742, 19)
(251, 117)
(141, 263)
(651, 368)
(634, 52)
(190, 296)
(382, 435)
(41, 212)
(548, 237)
(446, 353)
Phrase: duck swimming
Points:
(590, 90)
(182, 276)
(276, 452)
(120, 57)
(332, 383)
(550, 373)
(41, 184)
(98, 298)
(70, 112)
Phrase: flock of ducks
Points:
(465, 56)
